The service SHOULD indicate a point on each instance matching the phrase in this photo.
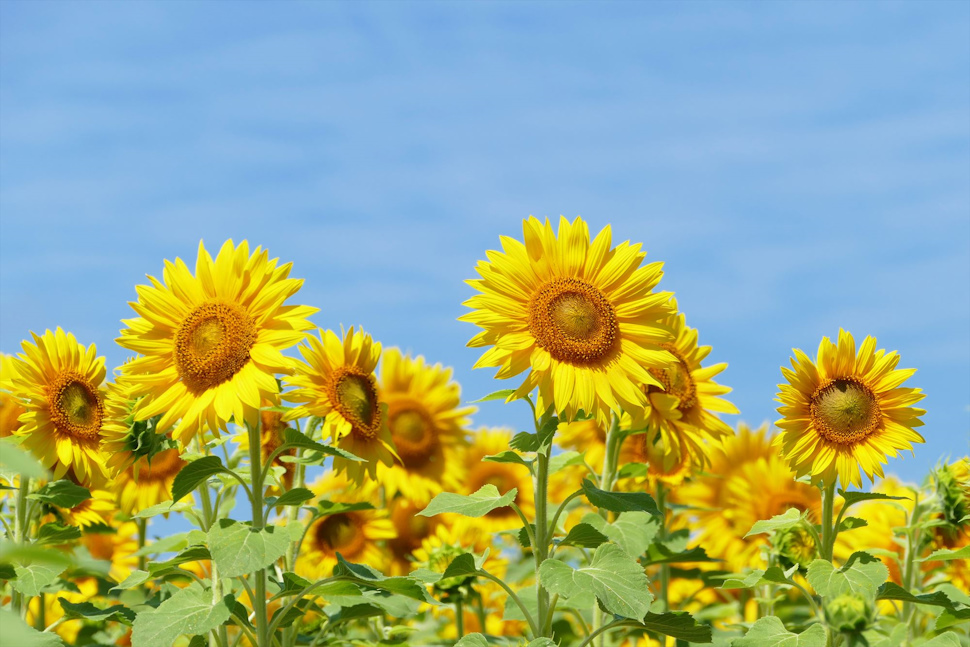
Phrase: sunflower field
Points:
(340, 493)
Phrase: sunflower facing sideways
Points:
(60, 383)
(337, 383)
(846, 412)
(210, 343)
(427, 425)
(581, 317)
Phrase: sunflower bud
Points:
(795, 545)
(952, 482)
(849, 612)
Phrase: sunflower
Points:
(585, 436)
(354, 533)
(211, 343)
(747, 482)
(59, 381)
(116, 547)
(10, 406)
(846, 412)
(680, 418)
(123, 441)
(663, 465)
(272, 428)
(148, 481)
(409, 531)
(504, 476)
(337, 384)
(96, 511)
(427, 426)
(581, 317)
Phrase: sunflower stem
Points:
(542, 533)
(606, 482)
(828, 529)
(661, 537)
(220, 636)
(460, 618)
(292, 551)
(20, 537)
(909, 565)
(142, 537)
(259, 594)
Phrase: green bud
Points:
(795, 545)
(849, 612)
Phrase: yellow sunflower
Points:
(337, 384)
(59, 381)
(210, 343)
(409, 531)
(427, 426)
(121, 442)
(98, 510)
(846, 412)
(747, 482)
(117, 547)
(355, 534)
(585, 436)
(581, 317)
(883, 518)
(148, 481)
(504, 476)
(10, 406)
(681, 416)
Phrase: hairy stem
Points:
(259, 593)
(662, 536)
(20, 537)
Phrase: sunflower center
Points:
(212, 344)
(353, 394)
(414, 434)
(573, 321)
(339, 532)
(76, 407)
(676, 381)
(845, 411)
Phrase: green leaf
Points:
(328, 508)
(533, 442)
(619, 501)
(565, 459)
(508, 456)
(789, 518)
(32, 579)
(165, 507)
(661, 554)
(366, 576)
(190, 611)
(948, 639)
(774, 575)
(502, 394)
(585, 535)
(296, 496)
(55, 533)
(893, 591)
(194, 474)
(461, 566)
(632, 531)
(862, 574)
(239, 549)
(944, 555)
(472, 640)
(851, 498)
(770, 632)
(63, 494)
(293, 437)
(86, 610)
(17, 633)
(616, 579)
(851, 523)
(678, 625)
(472, 505)
(14, 460)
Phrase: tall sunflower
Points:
(337, 383)
(210, 343)
(680, 418)
(581, 317)
(148, 481)
(846, 411)
(747, 482)
(427, 425)
(10, 406)
(59, 381)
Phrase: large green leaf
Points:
(367, 576)
(32, 578)
(678, 625)
(14, 460)
(478, 504)
(851, 498)
(472, 640)
(190, 611)
(770, 632)
(17, 633)
(63, 494)
(584, 535)
(944, 555)
(194, 474)
(893, 591)
(296, 496)
(295, 438)
(238, 549)
(87, 611)
(525, 441)
(774, 575)
(55, 533)
(791, 517)
(861, 574)
(632, 531)
(616, 579)
(619, 501)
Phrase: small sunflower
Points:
(337, 384)
(210, 343)
(681, 416)
(427, 426)
(846, 412)
(59, 381)
(747, 482)
(581, 317)
(355, 534)
(504, 476)
(148, 481)
(10, 406)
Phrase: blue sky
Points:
(798, 167)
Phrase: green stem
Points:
(602, 630)
(20, 537)
(828, 528)
(662, 536)
(142, 537)
(516, 599)
(910, 569)
(220, 636)
(292, 551)
(606, 482)
(541, 548)
(460, 618)
(259, 594)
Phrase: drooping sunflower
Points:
(355, 534)
(59, 381)
(337, 383)
(581, 317)
(680, 418)
(427, 425)
(10, 406)
(504, 476)
(747, 482)
(210, 343)
(148, 481)
(846, 411)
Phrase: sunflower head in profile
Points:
(581, 317)
(427, 425)
(10, 406)
(210, 343)
(846, 412)
(148, 481)
(60, 384)
(336, 382)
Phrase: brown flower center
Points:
(676, 381)
(339, 532)
(354, 395)
(76, 406)
(212, 344)
(163, 465)
(845, 411)
(573, 321)
(413, 432)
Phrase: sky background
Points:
(798, 166)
